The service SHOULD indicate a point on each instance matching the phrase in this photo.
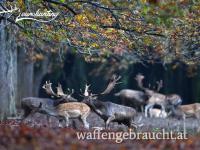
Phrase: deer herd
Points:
(64, 106)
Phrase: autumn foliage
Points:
(138, 31)
(15, 135)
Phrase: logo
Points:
(40, 16)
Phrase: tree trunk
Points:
(25, 69)
(8, 72)
(39, 71)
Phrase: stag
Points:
(108, 111)
(135, 97)
(66, 111)
(30, 104)
(148, 92)
(165, 101)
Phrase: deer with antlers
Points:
(30, 104)
(135, 97)
(66, 111)
(108, 111)
(64, 108)
(155, 98)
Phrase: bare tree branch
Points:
(62, 4)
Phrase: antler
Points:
(112, 83)
(139, 78)
(59, 93)
(160, 85)
(86, 92)
(48, 88)
(71, 91)
(60, 90)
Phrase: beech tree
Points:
(130, 31)
(146, 31)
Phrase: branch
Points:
(62, 4)
(110, 10)
(119, 28)
(131, 30)
(11, 21)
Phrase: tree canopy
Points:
(145, 31)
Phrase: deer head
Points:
(139, 79)
(113, 81)
(88, 96)
(174, 99)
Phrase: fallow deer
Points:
(135, 97)
(108, 111)
(155, 98)
(190, 110)
(30, 104)
(66, 111)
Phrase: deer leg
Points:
(49, 120)
(142, 109)
(105, 124)
(197, 115)
(83, 118)
(111, 118)
(66, 120)
(162, 110)
(26, 115)
(30, 115)
(86, 124)
(133, 126)
(27, 112)
(147, 107)
(59, 124)
(129, 124)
